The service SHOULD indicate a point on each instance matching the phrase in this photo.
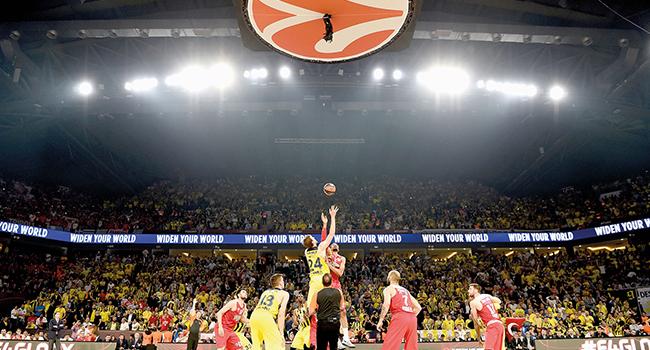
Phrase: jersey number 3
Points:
(266, 301)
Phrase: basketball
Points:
(329, 189)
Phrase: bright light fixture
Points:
(445, 80)
(85, 88)
(557, 93)
(378, 74)
(197, 78)
(258, 73)
(285, 72)
(141, 85)
(222, 75)
(397, 75)
(507, 88)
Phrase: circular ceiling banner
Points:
(328, 31)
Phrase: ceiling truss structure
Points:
(608, 66)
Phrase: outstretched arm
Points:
(330, 236)
(323, 232)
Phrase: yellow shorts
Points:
(301, 339)
(315, 285)
(265, 330)
(245, 343)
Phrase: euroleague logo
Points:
(328, 30)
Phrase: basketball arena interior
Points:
(284, 174)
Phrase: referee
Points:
(329, 303)
(195, 328)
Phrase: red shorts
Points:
(494, 336)
(403, 326)
(229, 341)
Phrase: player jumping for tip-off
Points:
(316, 256)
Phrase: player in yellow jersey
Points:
(239, 330)
(301, 317)
(267, 320)
(316, 254)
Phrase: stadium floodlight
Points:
(192, 79)
(398, 75)
(141, 85)
(85, 88)
(259, 73)
(284, 72)
(444, 80)
(507, 88)
(196, 78)
(263, 73)
(557, 93)
(222, 75)
(378, 74)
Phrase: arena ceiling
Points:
(332, 119)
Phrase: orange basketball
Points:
(329, 189)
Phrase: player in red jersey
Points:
(227, 318)
(336, 263)
(484, 307)
(404, 310)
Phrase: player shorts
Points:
(494, 336)
(315, 285)
(403, 326)
(301, 339)
(245, 343)
(229, 341)
(265, 330)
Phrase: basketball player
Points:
(336, 264)
(267, 320)
(404, 309)
(239, 330)
(316, 255)
(227, 318)
(301, 318)
(484, 306)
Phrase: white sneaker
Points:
(341, 346)
(348, 343)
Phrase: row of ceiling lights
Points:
(447, 80)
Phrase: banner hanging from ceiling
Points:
(328, 31)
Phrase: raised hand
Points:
(333, 210)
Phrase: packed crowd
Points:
(558, 295)
(280, 205)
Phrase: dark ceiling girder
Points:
(76, 6)
(542, 10)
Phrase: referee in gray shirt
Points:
(329, 303)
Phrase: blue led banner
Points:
(446, 238)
